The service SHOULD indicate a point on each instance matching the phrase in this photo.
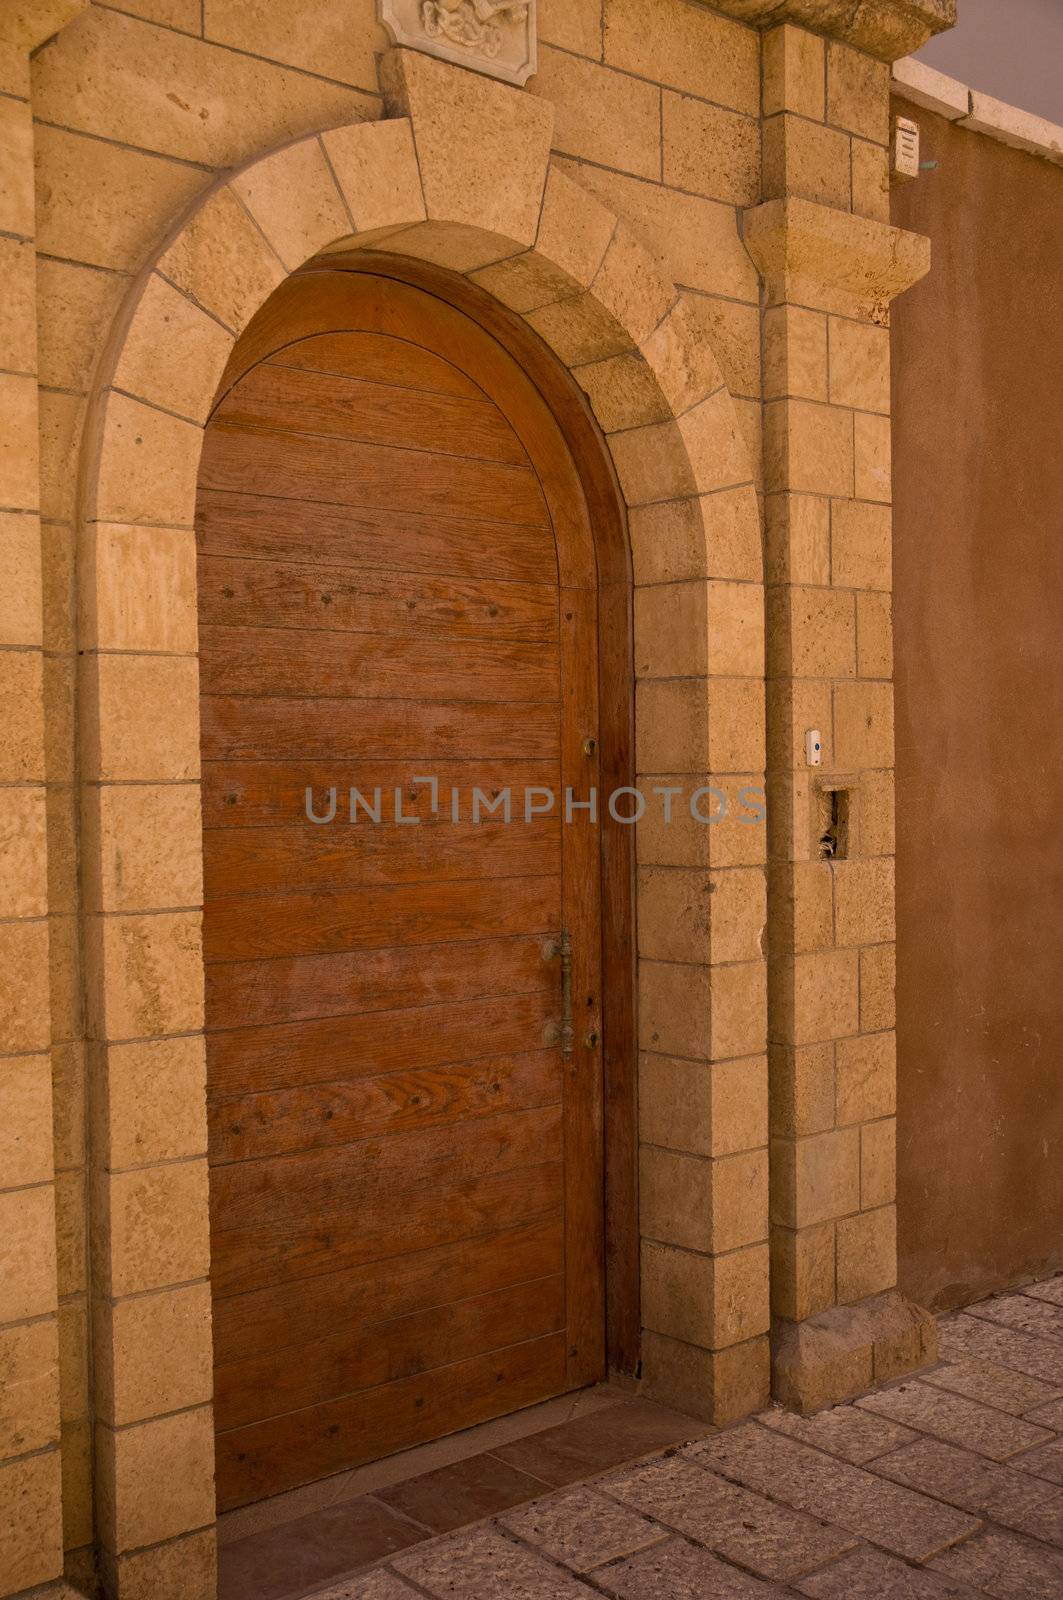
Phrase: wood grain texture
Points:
(397, 577)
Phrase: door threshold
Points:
(297, 1548)
(390, 1470)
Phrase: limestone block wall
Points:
(744, 177)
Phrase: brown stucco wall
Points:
(978, 576)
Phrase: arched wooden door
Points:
(397, 584)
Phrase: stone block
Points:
(693, 240)
(738, 1010)
(874, 635)
(165, 320)
(877, 981)
(149, 461)
(672, 726)
(878, 1164)
(802, 1271)
(708, 150)
(154, 1107)
(863, 725)
(156, 1479)
(601, 115)
(482, 146)
(674, 1009)
(815, 997)
(864, 901)
(707, 1109)
(823, 258)
(139, 588)
(141, 718)
(375, 166)
(858, 92)
(797, 539)
(23, 848)
(802, 1088)
(872, 459)
(143, 847)
(808, 449)
(866, 1078)
(867, 1254)
(795, 354)
(816, 1179)
(797, 704)
(794, 72)
(27, 1253)
(153, 1354)
(25, 1019)
(29, 1387)
(702, 52)
(806, 160)
(708, 1301)
(136, 196)
(720, 1385)
(859, 365)
(871, 180)
(623, 391)
(293, 197)
(680, 348)
(861, 545)
(223, 261)
(26, 1139)
(31, 1521)
(152, 1228)
(330, 45)
(150, 973)
(19, 487)
(182, 1569)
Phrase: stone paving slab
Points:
(982, 1487)
(582, 1529)
(873, 1575)
(768, 1539)
(993, 1385)
(959, 1421)
(680, 1571)
(379, 1585)
(1023, 1311)
(980, 1340)
(948, 1486)
(1051, 1289)
(1047, 1462)
(482, 1565)
(1005, 1567)
(906, 1523)
(844, 1431)
(1050, 1416)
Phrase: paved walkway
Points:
(944, 1487)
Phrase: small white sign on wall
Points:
(494, 36)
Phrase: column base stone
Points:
(841, 1353)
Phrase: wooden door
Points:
(397, 584)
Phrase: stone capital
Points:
(27, 23)
(813, 255)
(888, 29)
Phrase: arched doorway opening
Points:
(412, 584)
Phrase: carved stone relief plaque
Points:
(493, 36)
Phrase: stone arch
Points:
(458, 174)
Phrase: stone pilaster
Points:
(31, 1255)
(831, 266)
